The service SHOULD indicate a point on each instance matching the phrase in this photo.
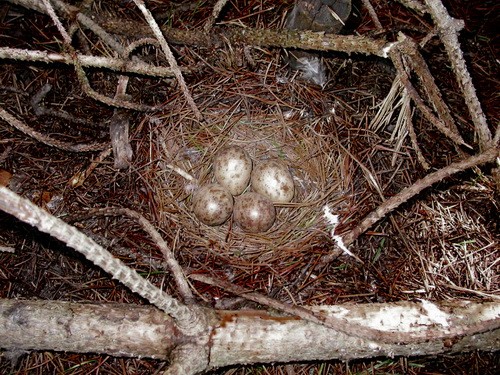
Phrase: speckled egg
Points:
(212, 204)
(272, 179)
(254, 212)
(233, 168)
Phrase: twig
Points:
(308, 40)
(170, 260)
(19, 125)
(79, 178)
(409, 192)
(409, 48)
(81, 73)
(397, 59)
(449, 29)
(119, 65)
(416, 147)
(373, 14)
(55, 19)
(187, 318)
(169, 55)
(215, 14)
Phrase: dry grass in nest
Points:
(299, 225)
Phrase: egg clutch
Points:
(270, 181)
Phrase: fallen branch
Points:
(448, 29)
(26, 211)
(487, 156)
(118, 65)
(257, 37)
(239, 337)
(79, 147)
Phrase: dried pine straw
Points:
(299, 225)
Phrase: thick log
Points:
(115, 329)
(242, 337)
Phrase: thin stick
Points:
(170, 260)
(449, 29)
(19, 125)
(414, 142)
(55, 19)
(396, 58)
(409, 192)
(409, 48)
(169, 55)
(215, 14)
(79, 178)
(119, 65)
(373, 14)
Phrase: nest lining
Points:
(308, 154)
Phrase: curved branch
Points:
(187, 318)
(409, 192)
(19, 125)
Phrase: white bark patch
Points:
(390, 318)
(435, 314)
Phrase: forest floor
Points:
(442, 244)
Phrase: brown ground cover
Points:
(441, 244)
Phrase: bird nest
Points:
(186, 164)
